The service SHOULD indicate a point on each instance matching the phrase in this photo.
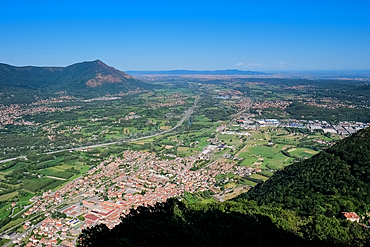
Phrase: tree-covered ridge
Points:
(332, 181)
(80, 79)
(176, 223)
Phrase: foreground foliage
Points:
(176, 223)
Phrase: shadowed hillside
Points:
(241, 223)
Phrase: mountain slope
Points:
(332, 181)
(87, 76)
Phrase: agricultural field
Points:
(7, 196)
(271, 156)
(44, 183)
(278, 161)
(199, 197)
(258, 176)
(302, 152)
(55, 172)
(265, 151)
(229, 139)
(21, 179)
(202, 120)
(97, 121)
(248, 159)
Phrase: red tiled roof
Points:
(91, 217)
(350, 215)
(69, 209)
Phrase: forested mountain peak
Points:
(79, 76)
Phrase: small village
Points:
(13, 114)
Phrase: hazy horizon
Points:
(297, 72)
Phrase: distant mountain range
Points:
(196, 72)
(94, 75)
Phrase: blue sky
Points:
(162, 35)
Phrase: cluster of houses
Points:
(115, 186)
(12, 114)
(274, 104)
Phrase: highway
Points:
(187, 114)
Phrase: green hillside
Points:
(332, 181)
(80, 79)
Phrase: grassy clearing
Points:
(223, 176)
(148, 140)
(258, 176)
(16, 166)
(211, 108)
(83, 170)
(248, 159)
(63, 166)
(259, 136)
(226, 139)
(7, 196)
(182, 149)
(55, 172)
(285, 147)
(265, 151)
(279, 161)
(202, 118)
(230, 185)
(195, 198)
(237, 191)
(35, 185)
(25, 199)
(246, 182)
(302, 152)
(12, 223)
(5, 211)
